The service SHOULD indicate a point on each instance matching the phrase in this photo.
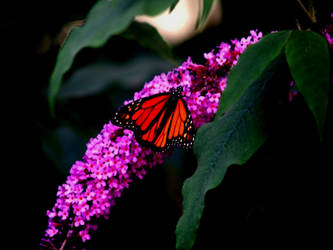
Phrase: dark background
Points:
(279, 197)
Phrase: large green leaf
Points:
(256, 59)
(237, 131)
(232, 139)
(308, 59)
(105, 19)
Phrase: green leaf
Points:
(95, 78)
(147, 36)
(153, 8)
(203, 12)
(105, 19)
(308, 59)
(255, 60)
(232, 139)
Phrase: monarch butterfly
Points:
(158, 121)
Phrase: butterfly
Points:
(158, 121)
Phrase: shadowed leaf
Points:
(95, 78)
(308, 59)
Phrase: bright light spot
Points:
(179, 25)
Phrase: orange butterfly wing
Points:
(178, 130)
(139, 115)
(158, 121)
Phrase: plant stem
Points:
(298, 25)
(52, 246)
(67, 237)
(311, 12)
(65, 241)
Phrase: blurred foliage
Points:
(97, 77)
(104, 20)
(148, 37)
(284, 185)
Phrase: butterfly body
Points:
(158, 121)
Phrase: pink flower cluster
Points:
(108, 166)
(328, 33)
(114, 158)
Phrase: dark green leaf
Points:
(105, 19)
(95, 78)
(308, 59)
(147, 36)
(204, 12)
(255, 60)
(232, 139)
